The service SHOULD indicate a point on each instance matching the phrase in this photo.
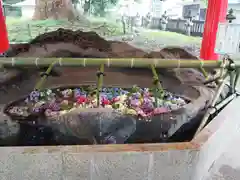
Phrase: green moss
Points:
(172, 37)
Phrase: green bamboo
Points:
(44, 78)
(120, 62)
(156, 83)
(204, 73)
(99, 84)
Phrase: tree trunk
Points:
(54, 9)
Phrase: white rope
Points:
(13, 61)
(60, 61)
(178, 71)
(179, 63)
(132, 62)
(84, 62)
(155, 62)
(108, 62)
(36, 62)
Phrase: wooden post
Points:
(216, 13)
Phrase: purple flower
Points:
(36, 109)
(135, 103)
(122, 92)
(146, 100)
(54, 106)
(77, 92)
(34, 96)
(103, 96)
(136, 96)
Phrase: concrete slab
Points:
(219, 150)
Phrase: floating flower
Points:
(123, 92)
(140, 112)
(48, 92)
(36, 109)
(160, 110)
(39, 106)
(116, 92)
(147, 107)
(48, 112)
(67, 93)
(42, 94)
(109, 96)
(135, 103)
(54, 106)
(136, 95)
(77, 92)
(102, 96)
(105, 102)
(115, 99)
(34, 96)
(81, 99)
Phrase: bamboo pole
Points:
(157, 84)
(213, 103)
(45, 76)
(120, 62)
(99, 83)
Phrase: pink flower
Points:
(135, 103)
(160, 110)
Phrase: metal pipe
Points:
(232, 78)
(209, 110)
(215, 79)
(119, 62)
(214, 110)
(236, 78)
(223, 103)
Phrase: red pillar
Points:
(216, 13)
(4, 44)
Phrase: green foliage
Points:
(100, 6)
(11, 1)
(205, 2)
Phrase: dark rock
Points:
(9, 131)
(96, 125)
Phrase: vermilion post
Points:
(4, 44)
(216, 13)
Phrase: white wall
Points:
(27, 12)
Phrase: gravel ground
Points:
(155, 43)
